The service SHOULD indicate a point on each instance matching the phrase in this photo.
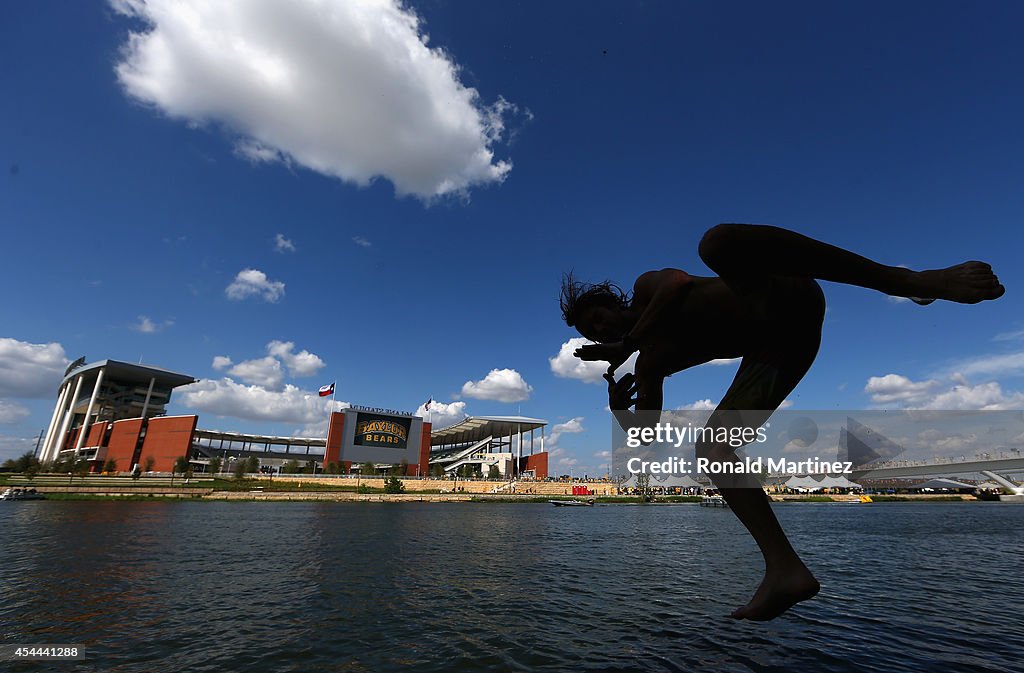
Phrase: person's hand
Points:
(621, 393)
(613, 353)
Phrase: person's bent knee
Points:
(719, 242)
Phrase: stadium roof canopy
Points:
(127, 372)
(476, 428)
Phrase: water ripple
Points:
(465, 587)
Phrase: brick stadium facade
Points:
(114, 411)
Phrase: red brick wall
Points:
(96, 432)
(124, 436)
(335, 432)
(167, 439)
(424, 466)
(96, 437)
(538, 462)
(70, 439)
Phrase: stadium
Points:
(113, 414)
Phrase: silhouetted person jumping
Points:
(766, 307)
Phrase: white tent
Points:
(674, 481)
(837, 482)
(664, 481)
(807, 483)
(989, 486)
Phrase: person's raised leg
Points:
(749, 249)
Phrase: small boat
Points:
(572, 503)
(22, 494)
(713, 501)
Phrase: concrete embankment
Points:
(126, 491)
(334, 496)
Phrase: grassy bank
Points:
(130, 498)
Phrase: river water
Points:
(199, 586)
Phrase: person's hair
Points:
(577, 296)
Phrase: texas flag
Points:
(327, 390)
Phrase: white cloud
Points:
(699, 405)
(319, 428)
(503, 385)
(299, 364)
(15, 447)
(568, 366)
(362, 242)
(987, 396)
(897, 300)
(30, 370)
(265, 372)
(254, 283)
(956, 394)
(572, 426)
(283, 245)
(221, 362)
(896, 388)
(346, 89)
(441, 415)
(147, 326)
(1003, 364)
(225, 397)
(1009, 336)
(724, 361)
(12, 412)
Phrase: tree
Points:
(643, 486)
(181, 466)
(215, 464)
(368, 469)
(333, 467)
(393, 485)
(310, 467)
(240, 468)
(436, 470)
(252, 464)
(493, 472)
(110, 466)
(148, 464)
(25, 462)
(403, 468)
(291, 467)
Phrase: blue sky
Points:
(401, 215)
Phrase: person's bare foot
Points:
(967, 283)
(779, 591)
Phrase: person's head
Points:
(598, 311)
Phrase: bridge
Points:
(902, 469)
